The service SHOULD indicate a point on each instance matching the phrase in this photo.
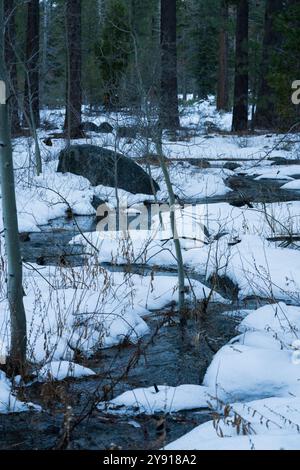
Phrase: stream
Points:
(164, 356)
(51, 246)
(167, 355)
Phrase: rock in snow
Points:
(105, 167)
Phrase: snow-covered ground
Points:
(63, 316)
(253, 382)
(163, 399)
(8, 401)
(252, 385)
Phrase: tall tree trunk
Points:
(176, 240)
(169, 114)
(222, 93)
(10, 223)
(74, 91)
(265, 110)
(241, 85)
(47, 10)
(11, 64)
(32, 81)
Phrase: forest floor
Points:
(108, 358)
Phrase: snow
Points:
(241, 372)
(63, 317)
(275, 172)
(60, 370)
(260, 269)
(259, 365)
(166, 399)
(40, 199)
(255, 378)
(253, 382)
(204, 438)
(8, 402)
(189, 183)
(272, 424)
(255, 265)
(280, 319)
(260, 362)
(268, 219)
(292, 185)
(49, 196)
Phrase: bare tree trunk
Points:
(32, 80)
(74, 91)
(222, 93)
(101, 10)
(30, 115)
(176, 241)
(241, 85)
(265, 111)
(14, 263)
(156, 137)
(11, 64)
(47, 10)
(169, 114)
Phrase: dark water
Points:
(51, 245)
(165, 356)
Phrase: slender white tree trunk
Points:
(157, 139)
(176, 241)
(14, 262)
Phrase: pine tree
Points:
(265, 116)
(144, 59)
(223, 85)
(91, 31)
(11, 64)
(241, 85)
(200, 51)
(54, 57)
(114, 50)
(73, 86)
(169, 114)
(32, 81)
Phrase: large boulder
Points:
(106, 167)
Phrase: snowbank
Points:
(261, 363)
(86, 310)
(269, 424)
(165, 399)
(8, 402)
(60, 370)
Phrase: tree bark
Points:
(241, 85)
(74, 91)
(176, 241)
(10, 222)
(11, 64)
(222, 93)
(169, 114)
(32, 79)
(47, 10)
(265, 116)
